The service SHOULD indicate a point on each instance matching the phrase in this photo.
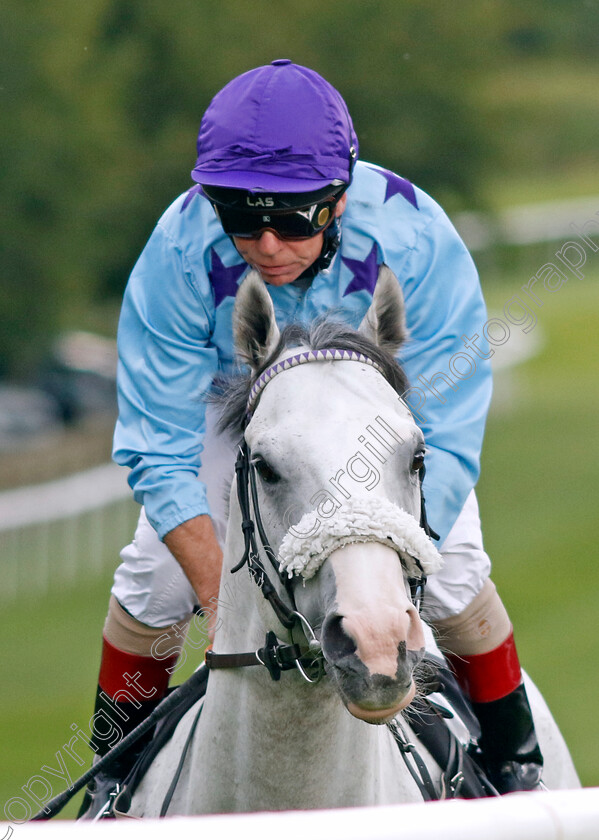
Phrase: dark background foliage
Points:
(101, 102)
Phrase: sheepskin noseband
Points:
(307, 544)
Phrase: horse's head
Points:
(337, 458)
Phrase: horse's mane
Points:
(231, 394)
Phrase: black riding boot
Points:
(509, 744)
(113, 721)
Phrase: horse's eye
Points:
(265, 471)
(418, 461)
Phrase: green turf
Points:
(538, 502)
(539, 506)
(50, 658)
(50, 654)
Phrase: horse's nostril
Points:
(336, 643)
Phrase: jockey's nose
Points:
(268, 243)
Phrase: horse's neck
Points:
(263, 744)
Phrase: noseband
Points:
(275, 656)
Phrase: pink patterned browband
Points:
(302, 359)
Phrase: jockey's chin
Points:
(279, 275)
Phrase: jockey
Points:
(279, 188)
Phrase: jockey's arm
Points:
(450, 383)
(167, 362)
(195, 547)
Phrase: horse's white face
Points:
(334, 438)
(308, 442)
(328, 432)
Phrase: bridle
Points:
(275, 655)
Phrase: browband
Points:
(330, 355)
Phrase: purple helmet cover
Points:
(277, 128)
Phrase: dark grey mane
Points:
(231, 394)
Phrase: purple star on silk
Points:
(365, 272)
(224, 279)
(197, 190)
(395, 185)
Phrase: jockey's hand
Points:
(195, 546)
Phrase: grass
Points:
(539, 509)
(575, 179)
(51, 643)
(50, 655)
(50, 658)
(538, 503)
(544, 113)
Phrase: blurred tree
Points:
(26, 296)
(101, 102)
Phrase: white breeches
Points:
(152, 587)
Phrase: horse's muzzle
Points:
(372, 697)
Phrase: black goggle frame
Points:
(289, 215)
(302, 223)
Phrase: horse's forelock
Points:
(231, 394)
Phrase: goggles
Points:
(286, 224)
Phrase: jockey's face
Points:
(281, 261)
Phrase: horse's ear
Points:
(385, 321)
(254, 323)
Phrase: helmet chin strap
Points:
(330, 245)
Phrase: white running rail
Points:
(556, 815)
(62, 531)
